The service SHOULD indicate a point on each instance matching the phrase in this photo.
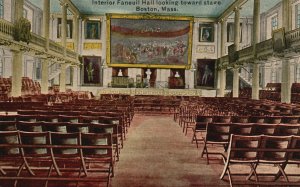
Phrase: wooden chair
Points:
(200, 127)
(10, 153)
(98, 153)
(242, 150)
(67, 154)
(38, 153)
(216, 134)
(273, 151)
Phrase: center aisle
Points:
(157, 154)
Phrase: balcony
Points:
(36, 46)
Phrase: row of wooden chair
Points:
(267, 150)
(52, 156)
(219, 133)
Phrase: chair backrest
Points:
(222, 119)
(273, 119)
(295, 144)
(244, 147)
(72, 119)
(273, 148)
(241, 128)
(256, 119)
(89, 119)
(287, 129)
(205, 119)
(55, 126)
(264, 129)
(29, 126)
(8, 126)
(239, 119)
(8, 138)
(31, 118)
(8, 117)
(61, 139)
(290, 119)
(48, 118)
(102, 143)
(218, 132)
(35, 138)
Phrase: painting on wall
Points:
(92, 30)
(91, 70)
(149, 41)
(206, 33)
(278, 37)
(205, 73)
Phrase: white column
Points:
(286, 15)
(75, 69)
(62, 78)
(64, 7)
(286, 81)
(45, 78)
(255, 81)
(46, 22)
(256, 39)
(18, 13)
(76, 32)
(222, 72)
(236, 75)
(17, 72)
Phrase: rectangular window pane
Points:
(1, 9)
(298, 15)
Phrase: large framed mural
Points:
(205, 73)
(91, 70)
(149, 41)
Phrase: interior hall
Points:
(149, 93)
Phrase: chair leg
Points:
(283, 173)
(226, 167)
(253, 171)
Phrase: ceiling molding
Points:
(230, 9)
(72, 7)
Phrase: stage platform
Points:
(158, 91)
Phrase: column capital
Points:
(237, 8)
(64, 4)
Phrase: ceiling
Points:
(92, 7)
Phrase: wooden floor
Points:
(157, 153)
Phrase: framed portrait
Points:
(205, 75)
(91, 70)
(206, 33)
(92, 30)
(69, 28)
(149, 41)
(278, 37)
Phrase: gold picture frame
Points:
(149, 41)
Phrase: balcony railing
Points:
(292, 37)
(7, 29)
(38, 40)
(55, 47)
